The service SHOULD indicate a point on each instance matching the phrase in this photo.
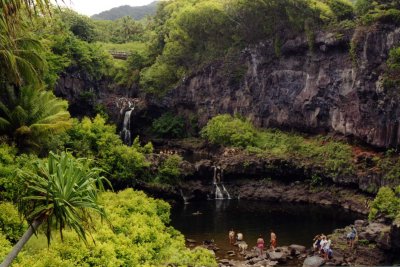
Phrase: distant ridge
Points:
(136, 12)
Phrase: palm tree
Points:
(62, 192)
(28, 114)
(21, 62)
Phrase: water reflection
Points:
(293, 223)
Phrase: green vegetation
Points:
(370, 11)
(138, 236)
(10, 162)
(386, 203)
(169, 171)
(335, 157)
(96, 140)
(10, 222)
(29, 115)
(229, 131)
(392, 75)
(169, 126)
(59, 193)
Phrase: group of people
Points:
(238, 238)
(322, 245)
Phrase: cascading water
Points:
(185, 199)
(217, 181)
(126, 126)
(223, 187)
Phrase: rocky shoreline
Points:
(373, 248)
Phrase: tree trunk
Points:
(18, 247)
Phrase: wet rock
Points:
(277, 256)
(314, 261)
(231, 253)
(296, 249)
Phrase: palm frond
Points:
(64, 191)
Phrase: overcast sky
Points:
(91, 7)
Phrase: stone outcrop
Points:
(319, 91)
(313, 261)
(373, 247)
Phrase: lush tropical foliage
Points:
(60, 192)
(54, 190)
(138, 236)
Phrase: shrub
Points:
(170, 172)
(169, 126)
(230, 131)
(5, 246)
(138, 236)
(10, 222)
(386, 203)
(97, 140)
(342, 9)
(10, 184)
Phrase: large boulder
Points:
(277, 256)
(378, 233)
(314, 261)
(296, 249)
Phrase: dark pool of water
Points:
(292, 223)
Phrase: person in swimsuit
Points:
(239, 237)
(260, 245)
(231, 237)
(273, 240)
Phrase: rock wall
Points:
(317, 91)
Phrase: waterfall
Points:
(185, 199)
(218, 193)
(254, 64)
(226, 191)
(217, 181)
(126, 126)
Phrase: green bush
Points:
(5, 246)
(342, 9)
(97, 140)
(386, 203)
(10, 163)
(138, 236)
(169, 171)
(169, 126)
(334, 157)
(230, 131)
(10, 222)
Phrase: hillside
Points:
(136, 12)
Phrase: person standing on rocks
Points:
(260, 245)
(351, 237)
(231, 237)
(273, 241)
(239, 237)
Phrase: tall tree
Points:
(62, 192)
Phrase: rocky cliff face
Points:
(324, 90)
